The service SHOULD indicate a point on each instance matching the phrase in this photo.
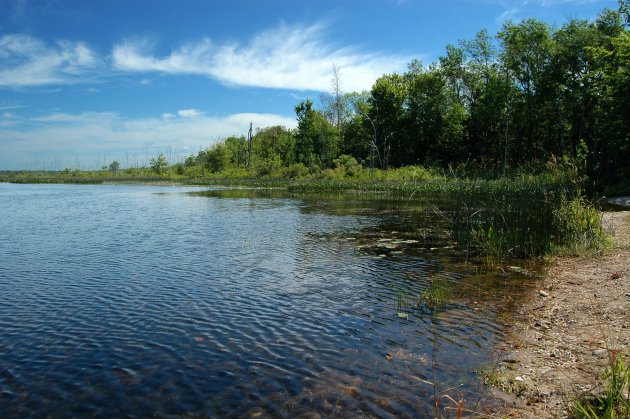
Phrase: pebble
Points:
(519, 379)
(543, 293)
(598, 352)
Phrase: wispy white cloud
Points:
(297, 57)
(7, 107)
(519, 9)
(288, 57)
(28, 61)
(63, 136)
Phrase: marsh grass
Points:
(85, 179)
(519, 217)
(580, 225)
(492, 245)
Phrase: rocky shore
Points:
(564, 339)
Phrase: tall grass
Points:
(522, 216)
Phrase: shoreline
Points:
(562, 341)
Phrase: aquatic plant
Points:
(492, 245)
(522, 217)
(437, 294)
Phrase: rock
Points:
(519, 379)
(543, 293)
(598, 352)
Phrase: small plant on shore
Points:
(615, 402)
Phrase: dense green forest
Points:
(532, 94)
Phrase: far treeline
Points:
(532, 94)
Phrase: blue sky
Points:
(88, 82)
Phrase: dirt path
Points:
(561, 346)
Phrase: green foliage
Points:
(297, 171)
(346, 167)
(179, 169)
(487, 109)
(316, 142)
(113, 167)
(158, 164)
(579, 226)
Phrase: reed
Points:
(436, 295)
(520, 217)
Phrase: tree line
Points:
(531, 93)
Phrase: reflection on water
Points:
(138, 301)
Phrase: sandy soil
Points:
(562, 343)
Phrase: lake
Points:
(170, 301)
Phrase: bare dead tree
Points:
(337, 104)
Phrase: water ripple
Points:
(138, 301)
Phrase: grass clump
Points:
(579, 226)
(491, 244)
(615, 401)
(436, 295)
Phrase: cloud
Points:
(65, 137)
(287, 57)
(189, 113)
(284, 57)
(27, 61)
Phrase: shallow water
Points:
(170, 301)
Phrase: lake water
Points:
(135, 301)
